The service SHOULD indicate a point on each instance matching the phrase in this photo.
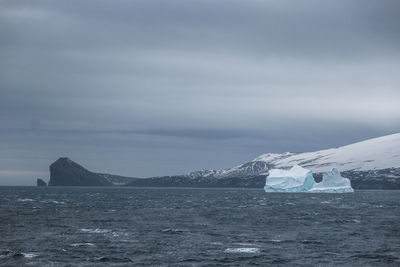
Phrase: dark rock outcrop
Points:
(65, 172)
(40, 182)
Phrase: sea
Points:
(118, 226)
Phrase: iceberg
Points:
(332, 182)
(297, 179)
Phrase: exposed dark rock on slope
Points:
(388, 179)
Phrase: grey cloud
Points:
(344, 28)
(213, 134)
(163, 87)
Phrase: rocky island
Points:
(40, 182)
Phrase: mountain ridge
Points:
(371, 154)
(369, 164)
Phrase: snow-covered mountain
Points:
(377, 153)
(372, 154)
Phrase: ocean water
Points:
(196, 227)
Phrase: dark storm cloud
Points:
(181, 85)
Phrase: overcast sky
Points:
(146, 88)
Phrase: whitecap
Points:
(242, 250)
(25, 200)
(56, 202)
(245, 244)
(95, 231)
(4, 253)
(120, 234)
(173, 231)
(82, 245)
(30, 255)
(52, 201)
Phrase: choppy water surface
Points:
(196, 227)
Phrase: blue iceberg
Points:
(299, 179)
(332, 182)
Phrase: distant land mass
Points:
(370, 164)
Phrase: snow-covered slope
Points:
(372, 154)
(377, 153)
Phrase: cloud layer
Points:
(147, 88)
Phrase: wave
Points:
(95, 231)
(242, 250)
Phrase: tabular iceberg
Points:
(332, 182)
(297, 179)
